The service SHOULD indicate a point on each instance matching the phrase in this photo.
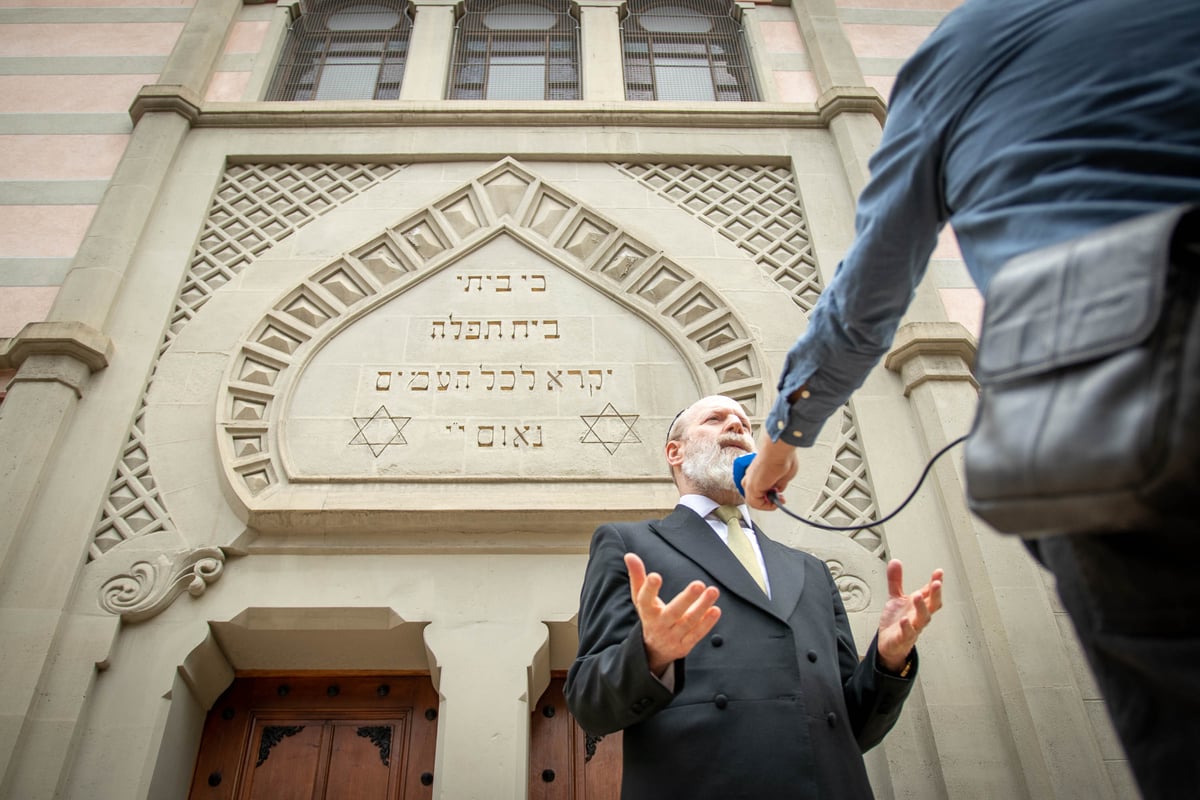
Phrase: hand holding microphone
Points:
(766, 476)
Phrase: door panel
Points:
(564, 763)
(319, 738)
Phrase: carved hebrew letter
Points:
(512, 385)
(519, 437)
(577, 373)
(507, 286)
(462, 379)
(383, 381)
(479, 287)
(541, 278)
(490, 430)
(477, 325)
(532, 376)
(553, 322)
(491, 372)
(438, 330)
(553, 379)
(499, 330)
(522, 322)
(413, 382)
(458, 332)
(443, 386)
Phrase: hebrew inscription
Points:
(502, 363)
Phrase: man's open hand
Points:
(670, 630)
(904, 616)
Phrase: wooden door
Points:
(319, 738)
(564, 762)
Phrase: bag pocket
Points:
(1085, 364)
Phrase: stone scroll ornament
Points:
(856, 594)
(150, 586)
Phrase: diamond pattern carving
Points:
(755, 206)
(254, 207)
(847, 497)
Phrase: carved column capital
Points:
(932, 351)
(81, 342)
(850, 100)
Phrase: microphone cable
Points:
(773, 496)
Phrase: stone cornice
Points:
(932, 351)
(81, 342)
(401, 113)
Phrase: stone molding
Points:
(932, 351)
(403, 113)
(55, 352)
(148, 587)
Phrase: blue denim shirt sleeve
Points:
(900, 214)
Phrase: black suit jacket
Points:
(774, 703)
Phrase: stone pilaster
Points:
(429, 50)
(600, 32)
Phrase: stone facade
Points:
(360, 378)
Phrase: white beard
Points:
(709, 465)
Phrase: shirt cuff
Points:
(668, 678)
(788, 422)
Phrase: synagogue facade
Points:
(333, 329)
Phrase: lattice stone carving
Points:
(506, 196)
(133, 507)
(255, 207)
(847, 497)
(756, 207)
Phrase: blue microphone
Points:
(740, 465)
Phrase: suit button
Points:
(721, 701)
(641, 705)
(812, 656)
(831, 718)
(717, 640)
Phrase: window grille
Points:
(685, 50)
(507, 50)
(345, 50)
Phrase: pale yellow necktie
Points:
(739, 544)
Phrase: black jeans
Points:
(1134, 599)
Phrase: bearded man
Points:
(745, 681)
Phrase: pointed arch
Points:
(506, 200)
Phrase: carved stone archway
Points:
(507, 202)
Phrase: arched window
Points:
(685, 50)
(345, 50)
(516, 50)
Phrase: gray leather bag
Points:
(1089, 373)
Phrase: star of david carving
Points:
(379, 431)
(610, 428)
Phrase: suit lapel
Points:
(786, 583)
(694, 538)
